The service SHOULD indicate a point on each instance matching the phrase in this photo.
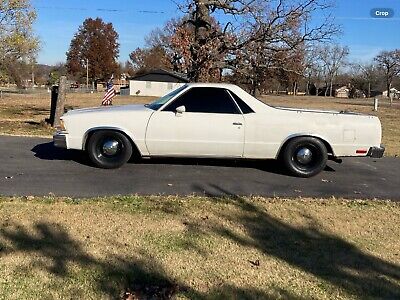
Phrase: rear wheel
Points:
(305, 156)
(109, 149)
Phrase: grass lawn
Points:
(25, 114)
(198, 248)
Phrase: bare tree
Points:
(333, 58)
(389, 63)
(269, 26)
(364, 76)
(312, 71)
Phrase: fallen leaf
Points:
(255, 263)
(326, 180)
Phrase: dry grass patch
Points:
(25, 128)
(25, 114)
(198, 248)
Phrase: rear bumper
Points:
(60, 139)
(376, 152)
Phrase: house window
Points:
(148, 84)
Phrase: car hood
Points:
(108, 109)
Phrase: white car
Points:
(219, 121)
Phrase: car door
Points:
(211, 125)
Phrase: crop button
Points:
(382, 13)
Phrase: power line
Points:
(101, 9)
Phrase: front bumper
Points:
(60, 139)
(376, 152)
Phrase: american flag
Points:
(110, 93)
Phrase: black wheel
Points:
(109, 149)
(305, 156)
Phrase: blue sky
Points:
(134, 19)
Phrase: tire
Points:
(305, 156)
(109, 149)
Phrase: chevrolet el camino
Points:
(219, 121)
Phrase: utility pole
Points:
(87, 74)
(376, 104)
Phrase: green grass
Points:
(198, 248)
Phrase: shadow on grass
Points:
(113, 276)
(326, 256)
(116, 277)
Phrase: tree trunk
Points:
(369, 89)
(254, 88)
(62, 91)
(308, 87)
(388, 86)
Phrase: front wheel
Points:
(109, 149)
(305, 156)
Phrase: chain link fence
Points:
(47, 90)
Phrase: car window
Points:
(161, 101)
(243, 105)
(205, 100)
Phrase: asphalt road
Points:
(32, 166)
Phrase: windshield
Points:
(161, 101)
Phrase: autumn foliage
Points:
(96, 42)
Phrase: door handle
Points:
(237, 124)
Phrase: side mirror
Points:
(180, 109)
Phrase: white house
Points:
(395, 92)
(155, 83)
(342, 92)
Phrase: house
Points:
(155, 83)
(394, 92)
(338, 90)
(342, 92)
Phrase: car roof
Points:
(212, 85)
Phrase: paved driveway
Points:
(32, 166)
